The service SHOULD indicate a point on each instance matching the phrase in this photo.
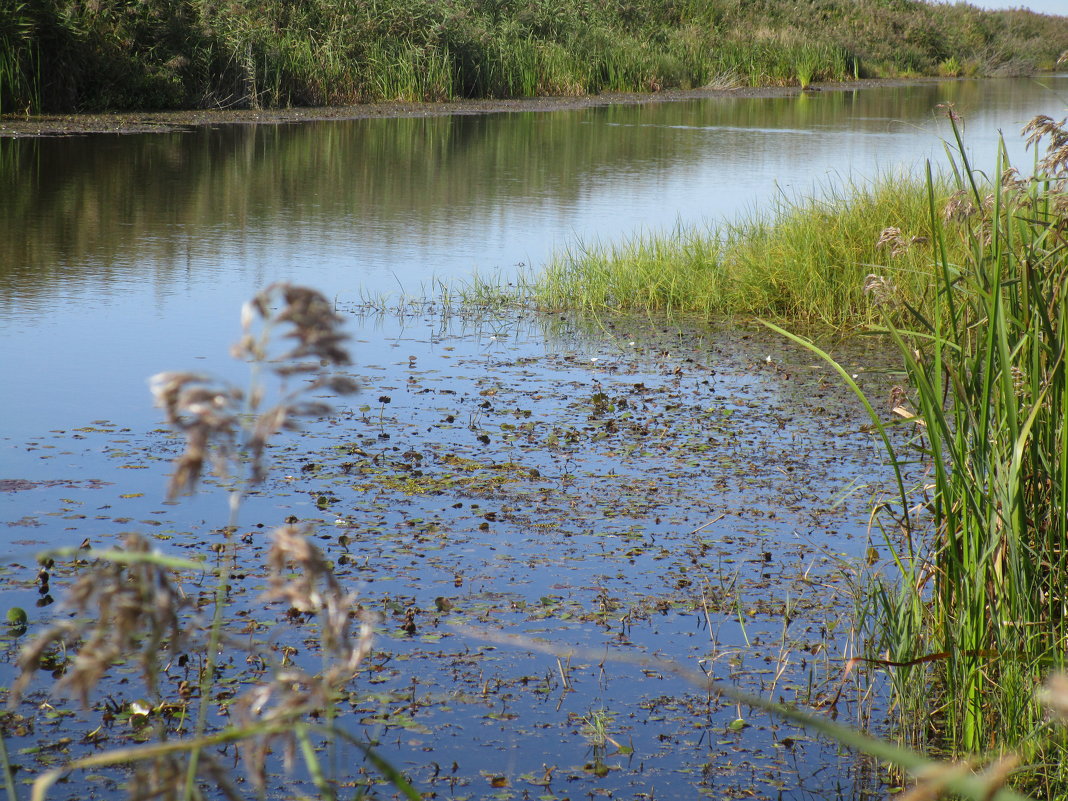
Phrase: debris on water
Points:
(631, 506)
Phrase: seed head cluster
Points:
(214, 417)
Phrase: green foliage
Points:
(986, 371)
(969, 617)
(64, 55)
(806, 259)
(18, 60)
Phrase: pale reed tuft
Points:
(211, 416)
(133, 608)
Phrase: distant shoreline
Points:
(167, 121)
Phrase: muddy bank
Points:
(164, 121)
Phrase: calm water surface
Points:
(124, 255)
(632, 490)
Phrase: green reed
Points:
(972, 615)
(66, 55)
(19, 61)
(987, 377)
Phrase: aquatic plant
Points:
(805, 259)
(971, 614)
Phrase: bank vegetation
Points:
(91, 55)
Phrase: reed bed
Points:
(982, 598)
(969, 616)
(66, 55)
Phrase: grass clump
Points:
(806, 259)
(69, 55)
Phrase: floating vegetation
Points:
(635, 490)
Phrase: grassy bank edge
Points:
(64, 55)
(804, 258)
(23, 125)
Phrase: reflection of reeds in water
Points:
(130, 603)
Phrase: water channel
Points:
(480, 479)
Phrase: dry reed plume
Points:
(130, 604)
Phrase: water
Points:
(674, 471)
(124, 255)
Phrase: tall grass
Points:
(805, 258)
(64, 55)
(987, 374)
(974, 614)
(20, 61)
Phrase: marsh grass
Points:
(971, 616)
(20, 61)
(65, 55)
(805, 259)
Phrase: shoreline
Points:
(15, 127)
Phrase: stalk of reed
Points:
(973, 614)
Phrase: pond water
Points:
(664, 489)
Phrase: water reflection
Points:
(102, 233)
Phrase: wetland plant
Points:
(66, 55)
(805, 260)
(132, 605)
(971, 615)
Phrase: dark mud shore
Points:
(163, 121)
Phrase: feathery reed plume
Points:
(127, 601)
(1055, 162)
(897, 242)
(210, 417)
(132, 608)
(1054, 695)
(301, 576)
(881, 289)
